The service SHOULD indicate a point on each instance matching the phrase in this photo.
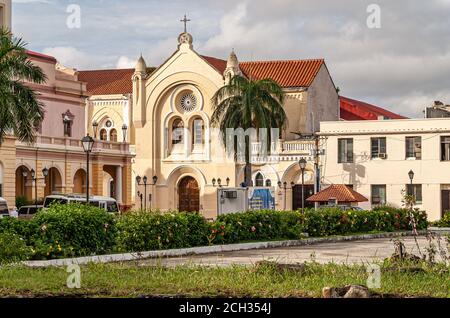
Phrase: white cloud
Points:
(70, 57)
(125, 62)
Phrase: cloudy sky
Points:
(404, 65)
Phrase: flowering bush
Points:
(73, 230)
(259, 225)
(444, 222)
(143, 231)
(13, 249)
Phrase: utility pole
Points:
(317, 153)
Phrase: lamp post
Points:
(218, 181)
(124, 132)
(140, 195)
(145, 183)
(88, 144)
(35, 179)
(411, 178)
(302, 163)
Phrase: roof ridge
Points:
(108, 70)
(287, 60)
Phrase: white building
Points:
(375, 157)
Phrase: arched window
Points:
(268, 183)
(113, 135)
(198, 132)
(259, 180)
(177, 131)
(103, 135)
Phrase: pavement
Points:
(348, 252)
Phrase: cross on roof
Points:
(185, 21)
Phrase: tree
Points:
(20, 111)
(246, 103)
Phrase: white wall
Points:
(430, 171)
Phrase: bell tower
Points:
(5, 14)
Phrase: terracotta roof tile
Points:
(108, 82)
(352, 109)
(288, 73)
(340, 192)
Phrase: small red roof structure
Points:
(339, 192)
(352, 109)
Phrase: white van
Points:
(4, 211)
(106, 203)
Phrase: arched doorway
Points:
(23, 184)
(188, 195)
(79, 182)
(53, 182)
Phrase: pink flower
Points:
(253, 229)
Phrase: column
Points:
(96, 176)
(119, 184)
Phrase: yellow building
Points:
(168, 112)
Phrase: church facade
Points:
(168, 112)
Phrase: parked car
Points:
(4, 211)
(350, 207)
(28, 211)
(106, 203)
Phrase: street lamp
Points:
(218, 181)
(88, 144)
(34, 179)
(95, 128)
(140, 195)
(302, 163)
(145, 184)
(124, 132)
(411, 177)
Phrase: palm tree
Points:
(246, 103)
(20, 111)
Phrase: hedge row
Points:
(77, 230)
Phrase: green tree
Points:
(20, 111)
(246, 103)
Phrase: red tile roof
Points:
(340, 192)
(300, 73)
(352, 109)
(40, 56)
(288, 73)
(108, 82)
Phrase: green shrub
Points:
(444, 222)
(13, 249)
(22, 228)
(21, 201)
(73, 230)
(142, 231)
(259, 225)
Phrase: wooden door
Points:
(188, 195)
(297, 197)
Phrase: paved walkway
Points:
(341, 252)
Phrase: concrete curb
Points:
(440, 230)
(208, 250)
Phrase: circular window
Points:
(188, 102)
(108, 124)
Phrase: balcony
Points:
(71, 144)
(284, 151)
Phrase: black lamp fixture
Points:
(35, 179)
(411, 175)
(95, 128)
(88, 144)
(218, 181)
(302, 163)
(145, 183)
(124, 132)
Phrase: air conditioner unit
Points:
(231, 194)
(382, 155)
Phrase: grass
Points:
(134, 280)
